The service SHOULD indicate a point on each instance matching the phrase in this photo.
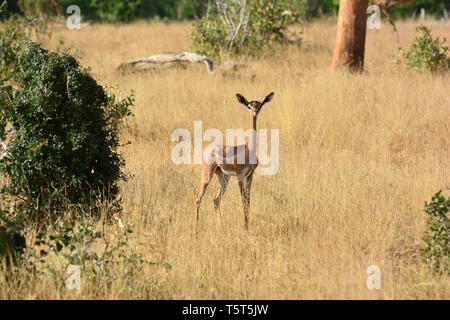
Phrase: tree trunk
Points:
(180, 10)
(351, 35)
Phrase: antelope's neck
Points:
(252, 140)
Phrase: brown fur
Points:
(244, 172)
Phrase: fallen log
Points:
(166, 61)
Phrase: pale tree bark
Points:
(351, 35)
(180, 10)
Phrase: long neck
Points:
(252, 140)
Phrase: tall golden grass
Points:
(359, 155)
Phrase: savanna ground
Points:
(359, 155)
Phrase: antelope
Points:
(240, 161)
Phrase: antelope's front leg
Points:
(245, 202)
(247, 187)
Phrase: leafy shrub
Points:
(72, 244)
(98, 250)
(38, 8)
(319, 7)
(426, 53)
(14, 32)
(437, 249)
(432, 7)
(12, 242)
(66, 136)
(11, 7)
(104, 10)
(241, 27)
(168, 9)
(116, 10)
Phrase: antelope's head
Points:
(254, 106)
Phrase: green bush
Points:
(12, 242)
(37, 8)
(102, 251)
(113, 10)
(426, 53)
(320, 7)
(437, 250)
(9, 8)
(432, 7)
(125, 10)
(116, 10)
(245, 28)
(104, 10)
(72, 244)
(14, 31)
(65, 147)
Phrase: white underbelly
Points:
(228, 172)
(234, 173)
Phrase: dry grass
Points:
(359, 155)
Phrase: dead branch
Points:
(56, 5)
(384, 6)
(390, 3)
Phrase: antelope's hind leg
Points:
(207, 172)
(223, 180)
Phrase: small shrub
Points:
(426, 53)
(37, 8)
(245, 27)
(116, 10)
(12, 242)
(72, 242)
(14, 32)
(65, 147)
(437, 251)
(98, 250)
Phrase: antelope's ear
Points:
(242, 100)
(269, 98)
